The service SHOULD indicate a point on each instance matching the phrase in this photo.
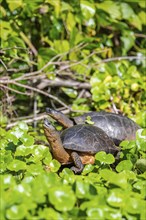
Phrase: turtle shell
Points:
(116, 126)
(87, 138)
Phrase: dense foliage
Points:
(74, 56)
(33, 187)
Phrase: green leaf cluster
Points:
(119, 83)
(33, 187)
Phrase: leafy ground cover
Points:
(34, 187)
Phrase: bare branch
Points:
(38, 91)
(41, 116)
(120, 58)
(140, 35)
(30, 120)
(80, 62)
(14, 90)
(4, 65)
(51, 62)
(29, 43)
(15, 47)
(63, 83)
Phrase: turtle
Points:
(78, 144)
(116, 126)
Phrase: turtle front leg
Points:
(78, 163)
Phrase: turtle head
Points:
(47, 124)
(51, 112)
(59, 117)
(52, 135)
(55, 142)
(49, 129)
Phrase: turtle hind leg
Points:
(78, 163)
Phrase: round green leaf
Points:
(115, 198)
(16, 165)
(67, 176)
(7, 181)
(84, 189)
(100, 156)
(119, 179)
(48, 158)
(96, 213)
(124, 165)
(35, 169)
(40, 152)
(22, 150)
(66, 172)
(11, 137)
(87, 169)
(54, 165)
(141, 186)
(127, 145)
(27, 140)
(110, 159)
(6, 157)
(50, 213)
(105, 158)
(62, 198)
(23, 126)
(16, 212)
(17, 132)
(133, 205)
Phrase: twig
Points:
(140, 35)
(120, 58)
(38, 91)
(28, 42)
(80, 62)
(136, 34)
(50, 62)
(59, 55)
(22, 118)
(14, 90)
(27, 121)
(38, 71)
(25, 38)
(15, 47)
(3, 64)
(17, 70)
(114, 106)
(63, 83)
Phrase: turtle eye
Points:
(47, 122)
